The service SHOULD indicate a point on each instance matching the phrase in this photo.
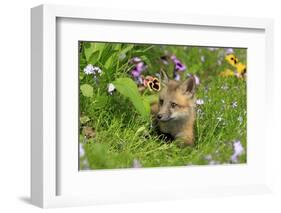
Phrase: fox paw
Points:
(183, 142)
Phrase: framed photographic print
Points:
(130, 106)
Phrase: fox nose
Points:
(159, 116)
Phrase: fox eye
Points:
(173, 105)
(161, 101)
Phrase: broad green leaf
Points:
(151, 98)
(88, 50)
(110, 61)
(106, 52)
(94, 57)
(84, 119)
(126, 49)
(81, 76)
(128, 88)
(92, 47)
(87, 90)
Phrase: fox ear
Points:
(188, 86)
(164, 77)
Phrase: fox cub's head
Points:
(176, 99)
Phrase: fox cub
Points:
(175, 112)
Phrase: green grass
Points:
(121, 136)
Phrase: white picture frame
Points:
(48, 171)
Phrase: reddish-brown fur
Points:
(175, 110)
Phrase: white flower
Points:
(199, 101)
(139, 80)
(202, 58)
(234, 104)
(197, 81)
(212, 48)
(177, 77)
(136, 60)
(89, 69)
(213, 162)
(111, 88)
(229, 51)
(208, 157)
(97, 70)
(85, 164)
(81, 150)
(196, 78)
(240, 119)
(158, 75)
(199, 111)
(238, 150)
(219, 119)
(136, 164)
(122, 56)
(224, 87)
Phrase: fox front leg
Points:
(184, 140)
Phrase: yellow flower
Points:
(152, 83)
(241, 68)
(231, 59)
(227, 73)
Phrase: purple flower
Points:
(229, 51)
(173, 57)
(138, 69)
(178, 65)
(238, 150)
(135, 73)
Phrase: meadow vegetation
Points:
(116, 128)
